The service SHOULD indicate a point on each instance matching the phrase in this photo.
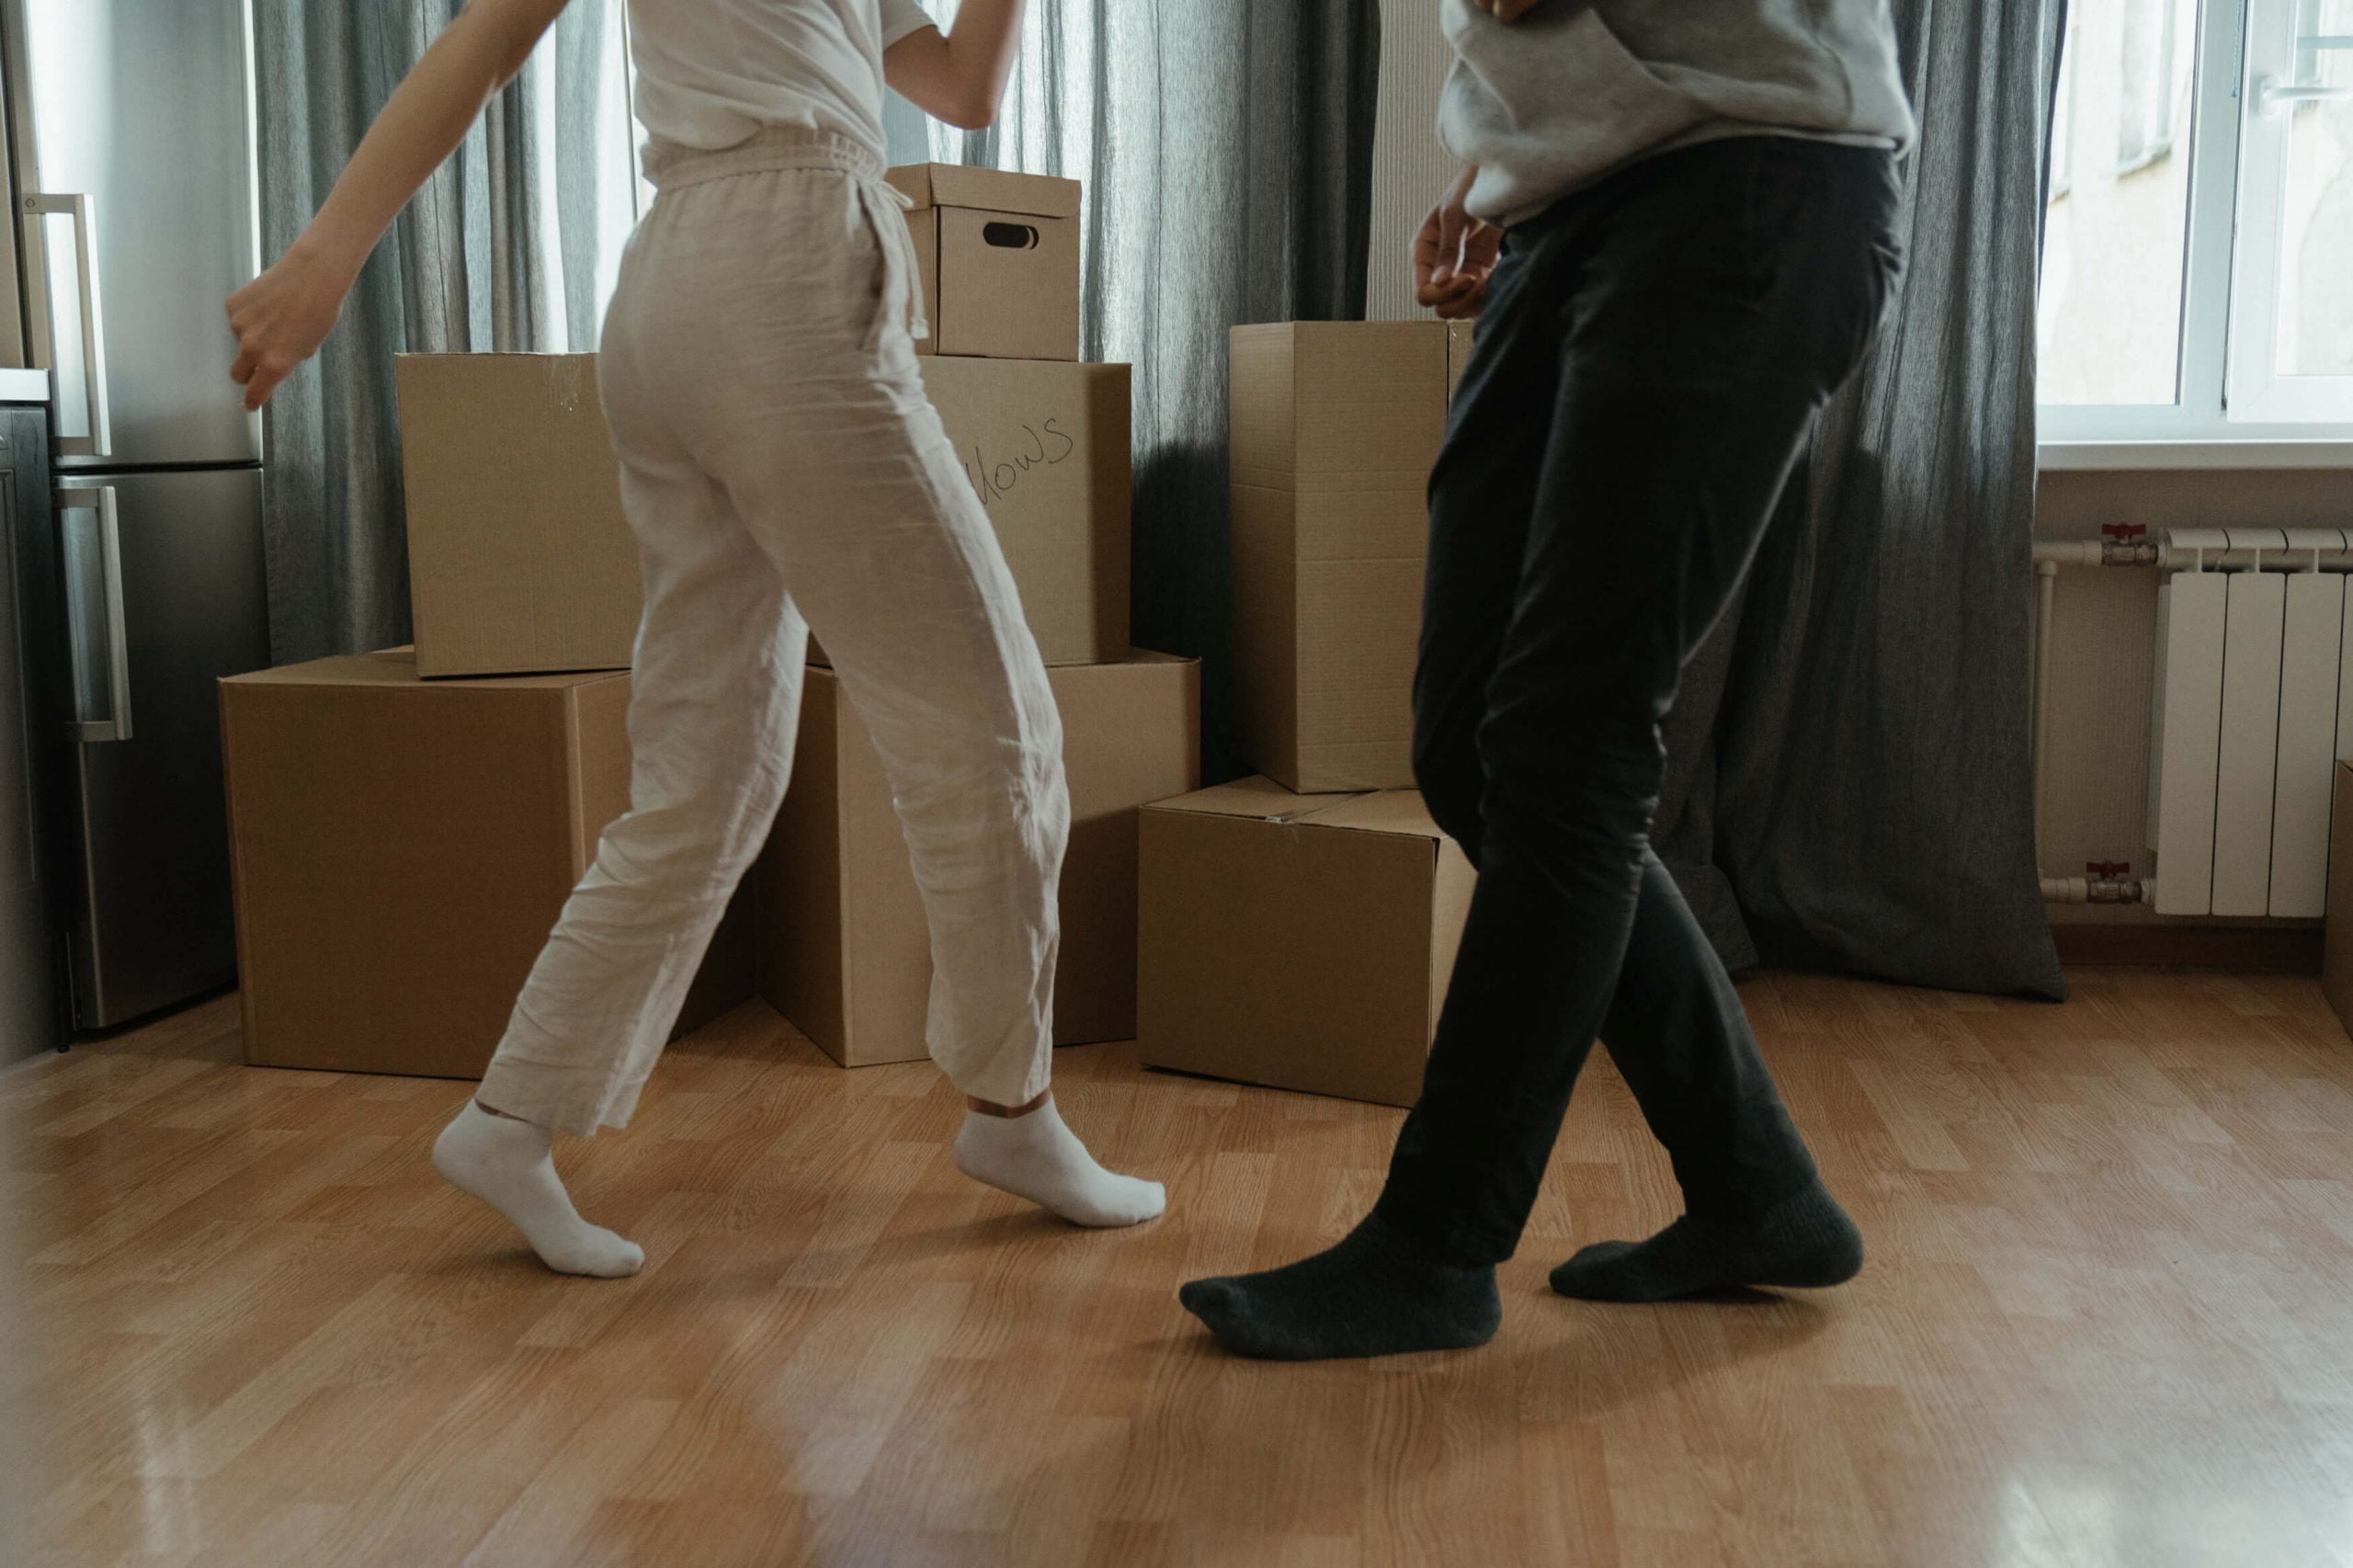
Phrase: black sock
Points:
(1804, 1242)
(1374, 1294)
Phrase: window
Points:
(2148, 85)
(2292, 315)
(2198, 261)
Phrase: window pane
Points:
(2145, 85)
(2316, 222)
(2117, 227)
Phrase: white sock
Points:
(509, 1165)
(1037, 1157)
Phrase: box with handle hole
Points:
(999, 258)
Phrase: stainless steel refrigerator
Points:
(131, 143)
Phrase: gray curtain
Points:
(512, 247)
(1226, 146)
(1848, 782)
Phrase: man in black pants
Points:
(1697, 200)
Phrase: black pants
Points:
(1651, 357)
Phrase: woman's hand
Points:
(1455, 254)
(1506, 10)
(282, 317)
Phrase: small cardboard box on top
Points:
(401, 849)
(999, 258)
(520, 561)
(2336, 962)
(1299, 942)
(1335, 428)
(844, 950)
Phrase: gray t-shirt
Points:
(1577, 88)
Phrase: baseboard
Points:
(24, 1063)
(2249, 949)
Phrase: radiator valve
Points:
(2103, 881)
(2126, 545)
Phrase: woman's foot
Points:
(1034, 1155)
(510, 1165)
(1374, 1294)
(1804, 1242)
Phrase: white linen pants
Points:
(783, 471)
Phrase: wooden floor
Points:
(2108, 1320)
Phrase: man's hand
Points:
(282, 317)
(1506, 10)
(1454, 252)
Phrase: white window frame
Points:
(2223, 417)
(2253, 390)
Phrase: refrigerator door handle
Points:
(99, 442)
(115, 726)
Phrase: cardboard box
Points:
(520, 558)
(1047, 447)
(1334, 428)
(402, 847)
(999, 256)
(1300, 941)
(2336, 963)
(1460, 335)
(844, 952)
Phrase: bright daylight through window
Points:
(2198, 262)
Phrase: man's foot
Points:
(509, 1165)
(1805, 1241)
(1374, 1294)
(1035, 1155)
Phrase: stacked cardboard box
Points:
(521, 558)
(1459, 338)
(999, 258)
(407, 824)
(1335, 426)
(1301, 941)
(844, 952)
(401, 847)
(1297, 929)
(1046, 447)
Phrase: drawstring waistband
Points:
(886, 208)
(780, 147)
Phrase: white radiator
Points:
(2254, 704)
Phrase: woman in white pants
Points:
(783, 471)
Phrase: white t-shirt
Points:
(713, 73)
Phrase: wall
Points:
(2103, 641)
